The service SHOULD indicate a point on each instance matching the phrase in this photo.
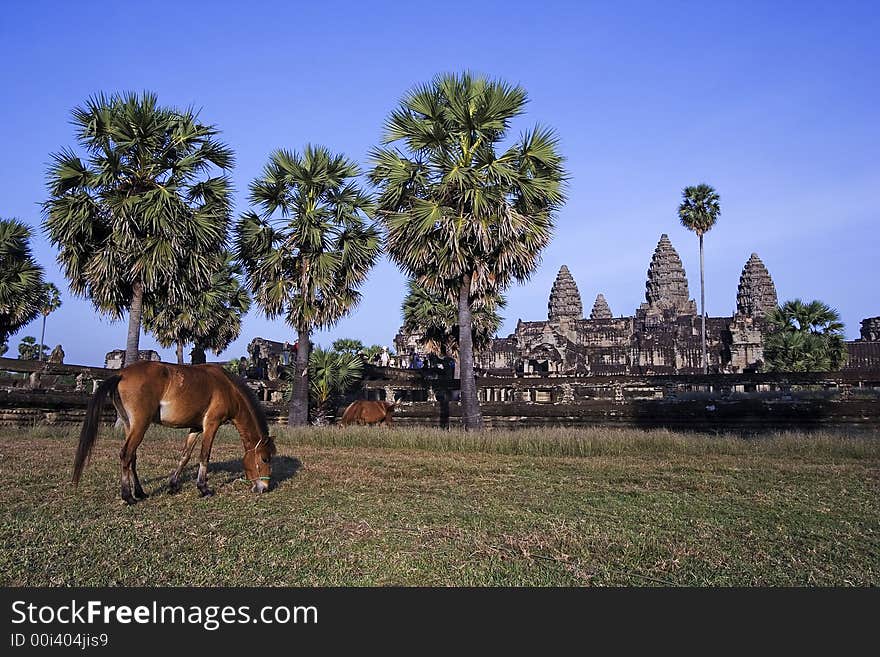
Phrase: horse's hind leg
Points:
(127, 457)
(210, 430)
(189, 444)
(122, 419)
(138, 489)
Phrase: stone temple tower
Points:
(755, 297)
(565, 300)
(756, 294)
(601, 309)
(667, 285)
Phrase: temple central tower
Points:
(565, 299)
(667, 285)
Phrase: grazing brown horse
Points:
(196, 397)
(368, 412)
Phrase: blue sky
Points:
(775, 104)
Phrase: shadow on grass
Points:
(283, 468)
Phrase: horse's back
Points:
(154, 370)
(169, 377)
(175, 395)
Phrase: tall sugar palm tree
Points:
(209, 317)
(804, 337)
(146, 201)
(51, 303)
(308, 248)
(21, 279)
(461, 209)
(698, 211)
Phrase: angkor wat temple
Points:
(662, 337)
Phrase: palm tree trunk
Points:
(298, 414)
(134, 325)
(703, 309)
(471, 417)
(42, 339)
(180, 352)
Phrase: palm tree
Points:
(308, 251)
(699, 210)
(434, 316)
(331, 374)
(28, 349)
(804, 337)
(209, 318)
(21, 279)
(460, 210)
(140, 208)
(348, 345)
(373, 353)
(51, 303)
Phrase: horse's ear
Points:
(272, 448)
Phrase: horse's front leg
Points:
(210, 430)
(189, 444)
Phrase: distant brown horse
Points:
(368, 412)
(196, 397)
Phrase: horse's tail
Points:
(89, 432)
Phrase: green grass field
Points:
(419, 507)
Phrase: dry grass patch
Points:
(420, 507)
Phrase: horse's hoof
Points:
(141, 495)
(173, 487)
(126, 495)
(206, 492)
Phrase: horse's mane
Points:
(251, 397)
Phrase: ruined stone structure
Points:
(661, 337)
(57, 356)
(114, 359)
(864, 353)
(870, 330)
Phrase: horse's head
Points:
(258, 463)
